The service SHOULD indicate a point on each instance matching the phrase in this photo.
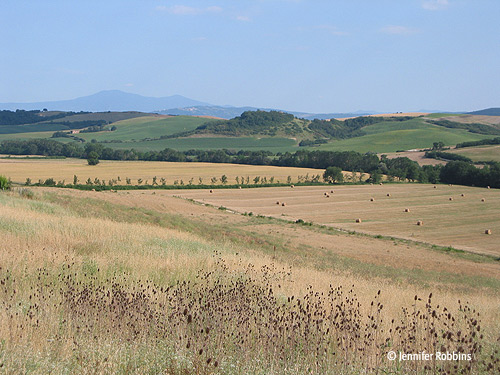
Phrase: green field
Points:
(210, 143)
(387, 136)
(481, 153)
(390, 136)
(147, 127)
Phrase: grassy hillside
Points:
(482, 153)
(405, 135)
(147, 127)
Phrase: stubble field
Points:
(460, 222)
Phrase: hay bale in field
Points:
(93, 189)
(292, 186)
(358, 220)
(487, 231)
(381, 184)
(388, 194)
(328, 195)
(462, 195)
(483, 200)
(278, 203)
(420, 223)
(450, 198)
(372, 199)
(324, 193)
(283, 204)
(211, 191)
(239, 187)
(488, 187)
(407, 210)
(331, 191)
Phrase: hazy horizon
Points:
(297, 55)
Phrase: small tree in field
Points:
(93, 158)
(223, 179)
(4, 183)
(333, 175)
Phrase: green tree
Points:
(333, 175)
(93, 158)
(223, 179)
(4, 183)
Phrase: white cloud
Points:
(435, 4)
(188, 11)
(243, 18)
(398, 30)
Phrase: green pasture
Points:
(210, 143)
(391, 136)
(480, 153)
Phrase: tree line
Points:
(402, 168)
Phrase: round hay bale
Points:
(462, 195)
(420, 223)
(278, 203)
(388, 194)
(93, 189)
(407, 210)
(358, 220)
(488, 187)
(435, 187)
(381, 184)
(292, 186)
(487, 231)
(372, 199)
(211, 191)
(239, 187)
(283, 204)
(450, 198)
(483, 200)
(328, 195)
(324, 193)
(331, 191)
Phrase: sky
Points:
(318, 56)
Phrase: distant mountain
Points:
(110, 100)
(486, 112)
(228, 112)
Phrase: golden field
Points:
(64, 169)
(145, 282)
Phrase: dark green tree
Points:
(93, 158)
(333, 175)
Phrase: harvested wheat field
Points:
(65, 169)
(459, 223)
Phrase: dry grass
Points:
(19, 170)
(98, 295)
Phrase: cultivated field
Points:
(65, 169)
(392, 136)
(481, 153)
(459, 223)
(418, 156)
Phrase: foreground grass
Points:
(92, 288)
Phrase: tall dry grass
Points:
(96, 296)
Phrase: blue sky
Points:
(304, 55)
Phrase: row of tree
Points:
(398, 168)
